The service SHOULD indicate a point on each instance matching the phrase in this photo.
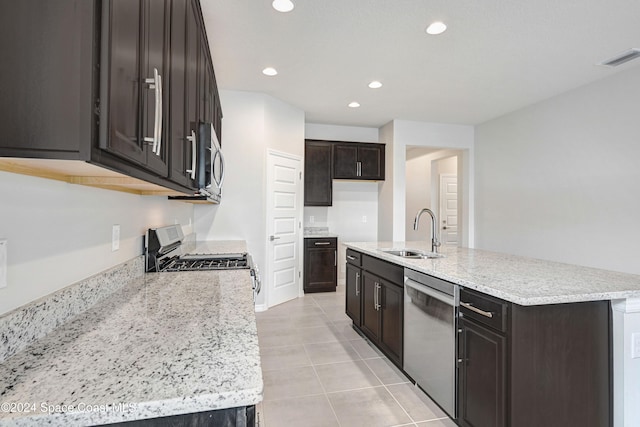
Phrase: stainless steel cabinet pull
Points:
(322, 243)
(358, 168)
(192, 139)
(476, 310)
(357, 284)
(155, 83)
(351, 258)
(335, 258)
(376, 297)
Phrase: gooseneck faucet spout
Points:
(435, 243)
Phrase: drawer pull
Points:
(477, 310)
(351, 258)
(322, 243)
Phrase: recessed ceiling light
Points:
(354, 104)
(282, 5)
(375, 84)
(436, 28)
(270, 71)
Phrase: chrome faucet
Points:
(435, 243)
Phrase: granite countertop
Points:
(521, 280)
(318, 232)
(164, 344)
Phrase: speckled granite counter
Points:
(318, 232)
(164, 344)
(522, 280)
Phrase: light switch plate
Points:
(115, 237)
(3, 263)
(635, 345)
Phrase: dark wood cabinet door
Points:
(124, 86)
(191, 83)
(320, 264)
(156, 42)
(370, 315)
(318, 185)
(345, 161)
(391, 313)
(178, 144)
(371, 158)
(482, 390)
(353, 292)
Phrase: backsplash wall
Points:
(60, 233)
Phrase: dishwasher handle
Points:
(424, 289)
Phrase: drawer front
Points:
(484, 309)
(354, 257)
(328, 242)
(392, 272)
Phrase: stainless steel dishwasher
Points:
(430, 310)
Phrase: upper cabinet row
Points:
(121, 84)
(328, 160)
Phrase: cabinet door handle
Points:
(351, 258)
(155, 83)
(377, 297)
(476, 310)
(322, 243)
(357, 284)
(335, 258)
(358, 168)
(192, 139)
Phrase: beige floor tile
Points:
(291, 356)
(318, 334)
(416, 402)
(287, 310)
(332, 352)
(310, 320)
(370, 407)
(311, 411)
(365, 349)
(276, 336)
(294, 382)
(335, 313)
(345, 328)
(346, 376)
(386, 371)
(444, 422)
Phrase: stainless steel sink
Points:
(411, 253)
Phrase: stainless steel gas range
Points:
(164, 253)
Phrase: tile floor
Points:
(319, 372)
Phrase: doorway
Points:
(432, 181)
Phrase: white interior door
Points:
(449, 209)
(284, 216)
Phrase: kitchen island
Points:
(164, 344)
(557, 347)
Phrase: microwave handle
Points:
(221, 170)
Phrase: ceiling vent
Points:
(620, 59)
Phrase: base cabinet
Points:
(530, 366)
(232, 417)
(374, 301)
(320, 264)
(353, 290)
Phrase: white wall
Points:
(393, 195)
(60, 233)
(560, 180)
(423, 170)
(352, 200)
(252, 123)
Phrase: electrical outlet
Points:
(115, 237)
(364, 218)
(3, 263)
(312, 219)
(635, 345)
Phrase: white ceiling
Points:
(496, 56)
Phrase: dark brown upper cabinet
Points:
(134, 44)
(120, 84)
(317, 173)
(358, 161)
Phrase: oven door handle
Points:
(424, 289)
